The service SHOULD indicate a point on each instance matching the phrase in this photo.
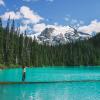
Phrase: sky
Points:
(36, 15)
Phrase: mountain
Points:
(51, 36)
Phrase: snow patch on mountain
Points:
(54, 35)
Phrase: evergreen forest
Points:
(18, 49)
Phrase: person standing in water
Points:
(24, 73)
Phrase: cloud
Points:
(50, 0)
(29, 14)
(73, 22)
(32, 21)
(12, 15)
(37, 0)
(30, 0)
(94, 26)
(38, 28)
(23, 28)
(25, 13)
(26, 16)
(59, 29)
(25, 22)
(30, 18)
(27, 0)
(66, 19)
(2, 3)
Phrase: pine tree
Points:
(1, 42)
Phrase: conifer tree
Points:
(1, 42)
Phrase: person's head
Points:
(23, 66)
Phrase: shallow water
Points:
(51, 91)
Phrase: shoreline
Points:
(78, 66)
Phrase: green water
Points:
(51, 91)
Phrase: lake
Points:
(56, 83)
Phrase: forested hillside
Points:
(18, 49)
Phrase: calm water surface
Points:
(51, 91)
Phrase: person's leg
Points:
(23, 77)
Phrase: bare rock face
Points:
(47, 32)
(47, 36)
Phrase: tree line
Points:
(18, 49)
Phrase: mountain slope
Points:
(51, 36)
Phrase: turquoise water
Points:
(51, 91)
